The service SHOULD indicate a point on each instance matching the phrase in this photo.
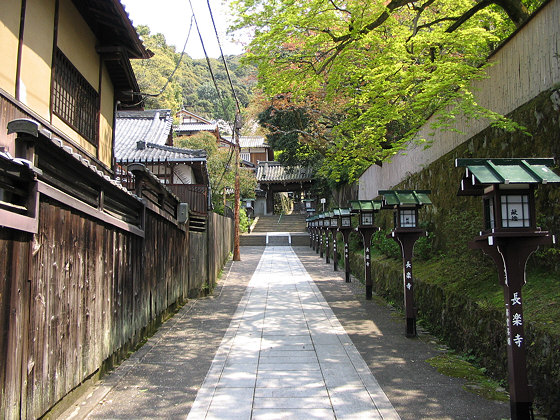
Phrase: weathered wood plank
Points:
(93, 290)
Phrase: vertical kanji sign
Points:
(511, 235)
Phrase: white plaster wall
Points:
(523, 68)
(183, 174)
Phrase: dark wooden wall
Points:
(80, 291)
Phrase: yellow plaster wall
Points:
(77, 42)
(35, 81)
(62, 126)
(106, 119)
(9, 35)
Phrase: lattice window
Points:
(74, 100)
(515, 211)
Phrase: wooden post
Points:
(406, 238)
(367, 234)
(335, 256)
(327, 248)
(346, 237)
(510, 254)
(321, 242)
(236, 251)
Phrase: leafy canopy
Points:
(369, 73)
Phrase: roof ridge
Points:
(174, 149)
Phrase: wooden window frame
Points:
(74, 100)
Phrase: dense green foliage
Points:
(191, 86)
(366, 74)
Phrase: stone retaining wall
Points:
(469, 328)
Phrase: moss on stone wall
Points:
(457, 291)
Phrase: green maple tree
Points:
(368, 73)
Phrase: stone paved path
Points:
(295, 359)
(285, 355)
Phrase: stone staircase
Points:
(281, 223)
(278, 230)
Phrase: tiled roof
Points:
(69, 151)
(149, 152)
(140, 136)
(193, 115)
(276, 172)
(152, 126)
(250, 141)
(186, 128)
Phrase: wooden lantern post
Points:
(365, 209)
(326, 229)
(335, 224)
(405, 204)
(309, 231)
(511, 235)
(321, 231)
(345, 228)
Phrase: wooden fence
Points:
(83, 289)
(194, 194)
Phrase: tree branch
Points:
(468, 14)
(515, 9)
(417, 17)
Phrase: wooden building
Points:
(255, 149)
(87, 267)
(146, 137)
(65, 64)
(190, 123)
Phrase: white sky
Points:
(172, 19)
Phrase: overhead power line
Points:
(220, 97)
(223, 57)
(155, 95)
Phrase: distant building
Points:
(190, 124)
(273, 177)
(146, 137)
(255, 149)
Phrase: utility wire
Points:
(155, 95)
(232, 147)
(180, 58)
(208, 63)
(223, 57)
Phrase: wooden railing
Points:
(196, 195)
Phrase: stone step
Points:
(259, 239)
(285, 223)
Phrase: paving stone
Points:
(268, 345)
(292, 414)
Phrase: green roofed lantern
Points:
(327, 220)
(406, 203)
(345, 218)
(507, 188)
(365, 209)
(335, 222)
